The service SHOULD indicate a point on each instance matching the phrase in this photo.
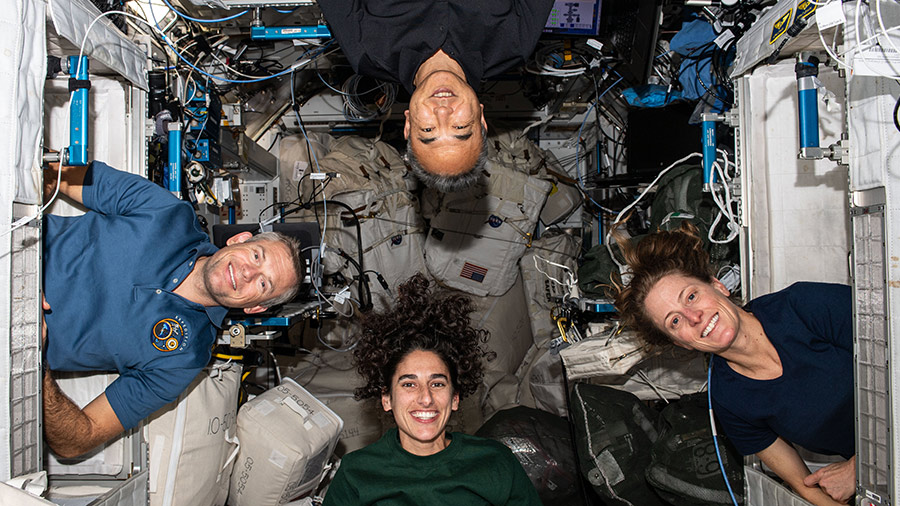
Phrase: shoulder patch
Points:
(169, 334)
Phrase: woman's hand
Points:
(46, 307)
(838, 480)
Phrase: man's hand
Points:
(838, 480)
(69, 178)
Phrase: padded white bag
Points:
(332, 378)
(192, 441)
(287, 437)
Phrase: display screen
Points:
(574, 17)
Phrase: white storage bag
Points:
(192, 441)
(287, 437)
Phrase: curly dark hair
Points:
(421, 319)
(654, 257)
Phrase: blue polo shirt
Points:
(109, 277)
(811, 403)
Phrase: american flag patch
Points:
(473, 272)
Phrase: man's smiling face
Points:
(444, 124)
(246, 274)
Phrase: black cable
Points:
(896, 109)
(363, 283)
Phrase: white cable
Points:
(828, 50)
(859, 43)
(551, 278)
(612, 226)
(723, 205)
(23, 221)
(27, 219)
(873, 37)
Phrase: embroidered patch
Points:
(781, 25)
(169, 334)
(495, 221)
(396, 240)
(473, 272)
(805, 9)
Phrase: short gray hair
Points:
(449, 184)
(293, 246)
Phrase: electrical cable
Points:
(298, 64)
(715, 435)
(627, 208)
(578, 143)
(197, 20)
(39, 215)
(896, 110)
(724, 205)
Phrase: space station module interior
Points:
(771, 126)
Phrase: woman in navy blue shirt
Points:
(782, 366)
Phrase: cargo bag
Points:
(542, 443)
(287, 437)
(614, 434)
(192, 441)
(684, 468)
(332, 378)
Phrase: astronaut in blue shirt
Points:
(136, 287)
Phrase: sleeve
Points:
(340, 492)
(747, 437)
(113, 192)
(135, 395)
(827, 310)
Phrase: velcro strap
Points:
(78, 84)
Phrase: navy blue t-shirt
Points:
(109, 277)
(811, 403)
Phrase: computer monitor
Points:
(574, 17)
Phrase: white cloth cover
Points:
(24, 61)
(797, 209)
(622, 362)
(287, 436)
(18, 497)
(331, 377)
(478, 235)
(541, 292)
(602, 356)
(541, 380)
(105, 42)
(192, 441)
(106, 459)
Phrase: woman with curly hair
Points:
(420, 358)
(782, 366)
